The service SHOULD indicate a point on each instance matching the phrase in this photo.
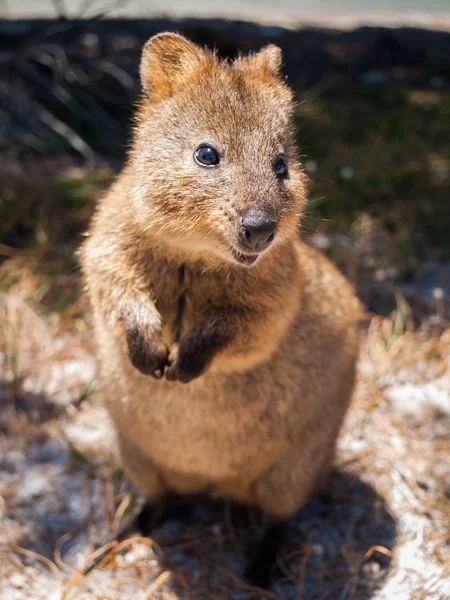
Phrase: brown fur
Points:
(268, 351)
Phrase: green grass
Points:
(50, 210)
(384, 151)
(42, 219)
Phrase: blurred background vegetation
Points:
(372, 126)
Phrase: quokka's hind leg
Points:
(143, 473)
(280, 493)
(166, 497)
(258, 572)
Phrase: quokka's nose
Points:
(256, 231)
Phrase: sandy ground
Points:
(64, 502)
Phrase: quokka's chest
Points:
(170, 291)
(181, 296)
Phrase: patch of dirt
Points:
(67, 511)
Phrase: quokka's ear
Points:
(167, 60)
(268, 59)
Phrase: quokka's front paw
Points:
(185, 365)
(147, 352)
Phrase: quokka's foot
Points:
(154, 514)
(259, 572)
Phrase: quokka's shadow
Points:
(331, 551)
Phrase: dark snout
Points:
(256, 230)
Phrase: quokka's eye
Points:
(206, 156)
(280, 166)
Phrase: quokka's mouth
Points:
(245, 259)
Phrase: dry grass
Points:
(65, 503)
